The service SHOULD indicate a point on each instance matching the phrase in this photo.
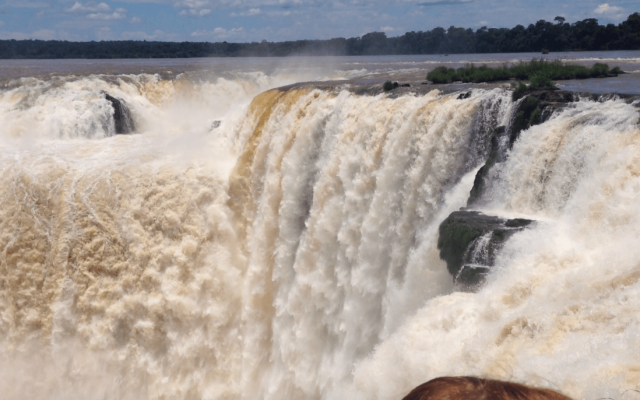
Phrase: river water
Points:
(249, 243)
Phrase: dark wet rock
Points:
(463, 96)
(486, 128)
(388, 85)
(215, 124)
(527, 115)
(496, 154)
(536, 108)
(121, 115)
(554, 96)
(470, 240)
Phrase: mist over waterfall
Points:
(255, 242)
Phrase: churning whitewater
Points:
(256, 243)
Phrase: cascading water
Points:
(290, 253)
(559, 310)
(335, 195)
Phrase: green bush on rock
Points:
(388, 85)
(538, 82)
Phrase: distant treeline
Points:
(586, 35)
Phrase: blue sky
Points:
(276, 20)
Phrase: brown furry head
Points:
(470, 388)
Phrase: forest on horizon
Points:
(559, 35)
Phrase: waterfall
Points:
(334, 195)
(558, 309)
(291, 252)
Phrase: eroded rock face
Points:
(533, 109)
(470, 240)
(121, 115)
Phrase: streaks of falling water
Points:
(344, 191)
(560, 308)
(272, 284)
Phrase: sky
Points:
(278, 20)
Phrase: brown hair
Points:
(471, 388)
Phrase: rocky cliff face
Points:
(121, 115)
(470, 240)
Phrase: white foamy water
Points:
(560, 308)
(291, 252)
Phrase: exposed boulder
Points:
(470, 240)
(121, 115)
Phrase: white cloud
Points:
(249, 13)
(196, 8)
(119, 13)
(97, 11)
(609, 11)
(192, 3)
(90, 7)
(387, 29)
(195, 12)
(135, 20)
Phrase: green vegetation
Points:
(585, 35)
(538, 82)
(539, 72)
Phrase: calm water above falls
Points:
(250, 243)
